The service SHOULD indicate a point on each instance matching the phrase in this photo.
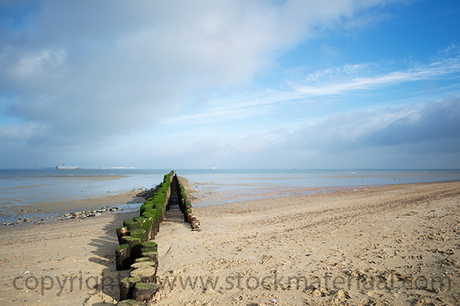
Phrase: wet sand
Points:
(390, 245)
(43, 211)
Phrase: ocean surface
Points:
(27, 187)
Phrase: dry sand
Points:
(390, 245)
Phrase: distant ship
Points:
(62, 167)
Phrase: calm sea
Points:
(26, 187)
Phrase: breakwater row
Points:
(138, 251)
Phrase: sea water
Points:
(19, 187)
(242, 185)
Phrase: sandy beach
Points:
(387, 245)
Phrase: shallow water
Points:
(28, 188)
(223, 186)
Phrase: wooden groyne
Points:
(138, 251)
(185, 206)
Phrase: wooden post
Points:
(150, 244)
(142, 259)
(121, 231)
(134, 246)
(153, 255)
(146, 274)
(140, 233)
(127, 287)
(122, 257)
(144, 264)
(147, 292)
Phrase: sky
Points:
(334, 84)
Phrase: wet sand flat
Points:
(44, 210)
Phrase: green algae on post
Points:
(127, 287)
(153, 255)
(146, 274)
(150, 244)
(134, 246)
(147, 292)
(122, 257)
(144, 264)
(142, 259)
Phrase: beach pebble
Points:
(321, 292)
(343, 294)
(86, 214)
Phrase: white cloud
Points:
(33, 65)
(338, 81)
(384, 127)
(362, 77)
(104, 65)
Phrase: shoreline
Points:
(279, 192)
(410, 229)
(46, 211)
(239, 187)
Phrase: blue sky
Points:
(230, 84)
